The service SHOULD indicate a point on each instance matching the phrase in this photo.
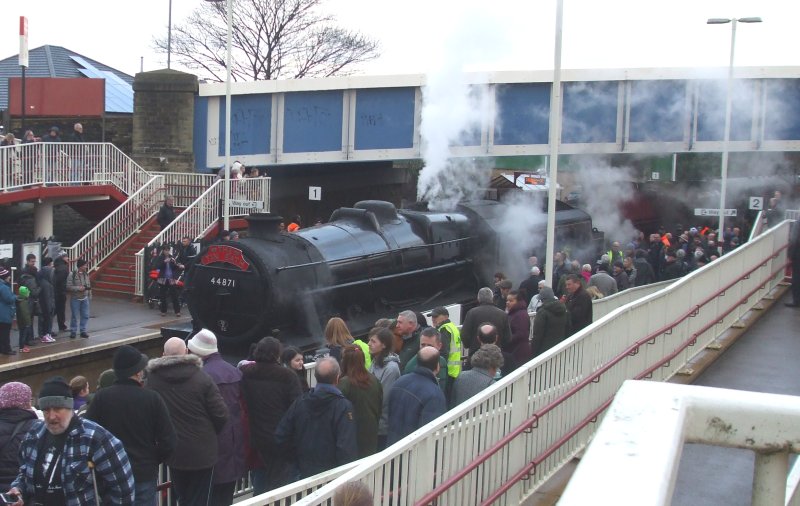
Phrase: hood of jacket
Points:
(321, 398)
(554, 307)
(391, 357)
(175, 368)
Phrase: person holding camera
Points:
(78, 288)
(168, 274)
(65, 459)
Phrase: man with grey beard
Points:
(56, 453)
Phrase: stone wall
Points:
(163, 120)
(117, 129)
(68, 224)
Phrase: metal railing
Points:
(185, 187)
(625, 464)
(203, 213)
(519, 432)
(602, 307)
(68, 163)
(116, 228)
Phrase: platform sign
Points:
(247, 204)
(6, 251)
(757, 203)
(713, 212)
(314, 193)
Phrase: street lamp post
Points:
(555, 139)
(727, 132)
(227, 168)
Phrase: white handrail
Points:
(626, 465)
(102, 240)
(185, 187)
(68, 163)
(569, 386)
(203, 213)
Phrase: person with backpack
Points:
(47, 301)
(29, 279)
(78, 288)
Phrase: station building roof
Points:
(57, 61)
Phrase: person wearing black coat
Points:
(47, 299)
(550, 323)
(197, 411)
(166, 214)
(60, 275)
(485, 312)
(579, 304)
(269, 389)
(319, 429)
(644, 271)
(16, 418)
(138, 417)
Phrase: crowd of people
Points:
(39, 306)
(369, 393)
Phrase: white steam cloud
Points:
(522, 232)
(455, 113)
(605, 190)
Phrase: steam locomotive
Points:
(369, 261)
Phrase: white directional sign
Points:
(713, 212)
(314, 193)
(248, 204)
(757, 203)
(6, 251)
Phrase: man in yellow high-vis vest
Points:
(451, 340)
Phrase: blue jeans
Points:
(76, 306)
(145, 493)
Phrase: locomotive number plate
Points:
(223, 282)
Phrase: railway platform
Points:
(762, 360)
(114, 322)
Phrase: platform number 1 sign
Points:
(314, 193)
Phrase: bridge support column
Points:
(42, 219)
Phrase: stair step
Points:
(116, 294)
(106, 277)
(116, 270)
(115, 287)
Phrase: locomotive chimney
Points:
(265, 225)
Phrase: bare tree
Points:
(271, 39)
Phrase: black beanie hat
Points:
(55, 393)
(128, 361)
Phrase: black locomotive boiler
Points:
(369, 261)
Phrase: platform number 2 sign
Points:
(314, 193)
(756, 203)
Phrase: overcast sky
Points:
(417, 35)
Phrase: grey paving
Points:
(765, 359)
(113, 320)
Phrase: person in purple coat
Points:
(230, 440)
(520, 323)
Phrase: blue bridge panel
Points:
(471, 136)
(590, 112)
(658, 111)
(384, 118)
(523, 114)
(312, 121)
(200, 133)
(782, 111)
(250, 124)
(711, 110)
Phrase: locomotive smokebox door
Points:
(224, 286)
